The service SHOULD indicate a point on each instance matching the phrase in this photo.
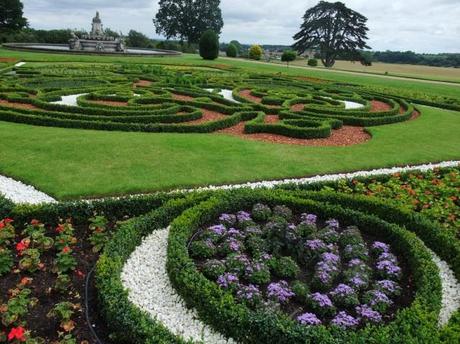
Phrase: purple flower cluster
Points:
(327, 268)
(380, 247)
(344, 320)
(227, 280)
(243, 216)
(316, 245)
(248, 293)
(218, 229)
(388, 268)
(388, 287)
(308, 319)
(279, 291)
(342, 290)
(309, 219)
(321, 300)
(227, 219)
(368, 314)
(333, 224)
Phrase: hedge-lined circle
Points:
(177, 99)
(417, 322)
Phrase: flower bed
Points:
(314, 271)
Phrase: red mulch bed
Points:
(109, 102)
(142, 83)
(18, 105)
(247, 94)
(182, 97)
(270, 119)
(208, 116)
(415, 115)
(297, 107)
(378, 106)
(8, 59)
(345, 136)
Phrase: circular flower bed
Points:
(314, 271)
(285, 269)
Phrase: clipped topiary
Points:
(312, 62)
(232, 50)
(255, 52)
(209, 45)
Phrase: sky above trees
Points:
(418, 25)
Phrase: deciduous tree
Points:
(187, 20)
(11, 16)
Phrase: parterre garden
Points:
(352, 261)
(132, 97)
(292, 265)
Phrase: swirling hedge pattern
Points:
(403, 230)
(188, 100)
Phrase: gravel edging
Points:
(21, 193)
(450, 290)
(146, 278)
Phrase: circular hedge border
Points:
(420, 321)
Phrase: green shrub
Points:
(209, 45)
(255, 52)
(288, 56)
(232, 50)
(312, 62)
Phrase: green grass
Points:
(189, 59)
(71, 163)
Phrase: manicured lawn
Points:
(71, 163)
(246, 65)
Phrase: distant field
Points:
(394, 69)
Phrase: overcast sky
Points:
(418, 25)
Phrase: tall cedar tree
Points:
(11, 16)
(334, 29)
(188, 19)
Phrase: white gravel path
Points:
(147, 280)
(450, 290)
(19, 64)
(21, 193)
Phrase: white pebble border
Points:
(21, 193)
(19, 64)
(147, 280)
(450, 290)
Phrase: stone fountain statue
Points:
(97, 40)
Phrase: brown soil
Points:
(108, 102)
(42, 288)
(182, 97)
(247, 94)
(345, 136)
(208, 116)
(415, 115)
(378, 106)
(297, 107)
(142, 83)
(270, 119)
(18, 105)
(8, 59)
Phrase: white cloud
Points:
(419, 25)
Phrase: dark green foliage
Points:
(320, 29)
(288, 56)
(138, 40)
(312, 62)
(209, 45)
(5, 207)
(232, 50)
(188, 19)
(11, 16)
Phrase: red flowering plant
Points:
(17, 306)
(64, 262)
(30, 260)
(65, 236)
(99, 235)
(36, 233)
(17, 334)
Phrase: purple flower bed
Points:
(316, 270)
